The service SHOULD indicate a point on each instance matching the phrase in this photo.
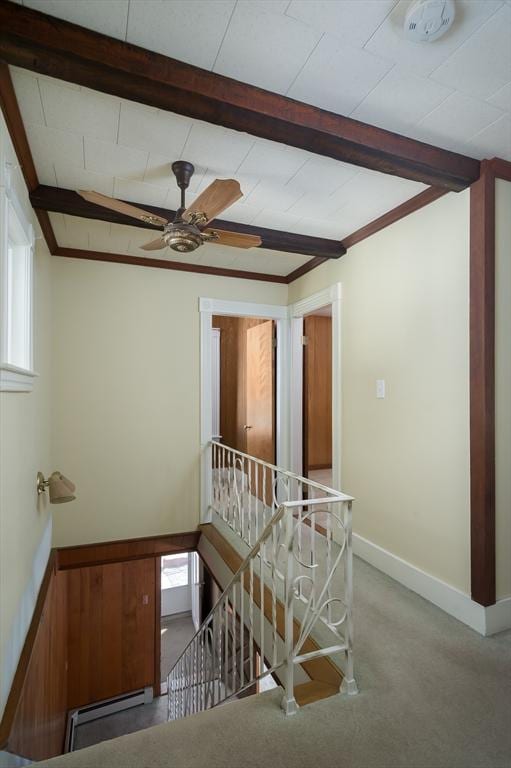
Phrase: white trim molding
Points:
(14, 379)
(486, 621)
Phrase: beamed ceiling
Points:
(345, 57)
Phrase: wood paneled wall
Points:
(233, 377)
(111, 625)
(317, 392)
(38, 727)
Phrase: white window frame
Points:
(12, 217)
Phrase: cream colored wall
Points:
(126, 394)
(405, 320)
(503, 385)
(25, 524)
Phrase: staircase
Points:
(288, 603)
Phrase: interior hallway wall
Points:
(405, 459)
(25, 520)
(503, 385)
(126, 395)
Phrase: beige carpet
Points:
(434, 694)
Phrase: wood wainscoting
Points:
(92, 637)
(34, 720)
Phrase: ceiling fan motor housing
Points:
(183, 237)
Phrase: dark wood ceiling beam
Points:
(51, 46)
(66, 201)
(147, 261)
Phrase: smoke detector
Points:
(427, 20)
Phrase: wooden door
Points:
(111, 629)
(260, 399)
(317, 393)
(260, 409)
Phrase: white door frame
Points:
(208, 308)
(297, 311)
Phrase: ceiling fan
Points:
(189, 229)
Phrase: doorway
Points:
(244, 367)
(315, 387)
(180, 600)
(317, 396)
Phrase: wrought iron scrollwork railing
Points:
(295, 583)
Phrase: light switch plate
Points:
(380, 388)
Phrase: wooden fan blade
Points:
(236, 239)
(220, 194)
(117, 205)
(154, 245)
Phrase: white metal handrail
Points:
(309, 572)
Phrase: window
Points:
(175, 571)
(16, 255)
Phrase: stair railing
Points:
(295, 581)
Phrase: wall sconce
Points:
(61, 489)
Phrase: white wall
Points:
(503, 385)
(405, 459)
(176, 600)
(25, 522)
(126, 394)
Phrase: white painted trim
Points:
(215, 382)
(14, 379)
(208, 308)
(486, 621)
(297, 311)
(25, 610)
(242, 309)
(498, 616)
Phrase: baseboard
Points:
(486, 621)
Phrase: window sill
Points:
(14, 379)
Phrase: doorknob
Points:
(247, 426)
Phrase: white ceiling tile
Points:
(389, 41)
(159, 173)
(169, 255)
(337, 77)
(273, 161)
(353, 20)
(371, 194)
(263, 47)
(75, 177)
(244, 213)
(188, 31)
(322, 175)
(218, 149)
(113, 160)
(317, 227)
(120, 236)
(99, 235)
(28, 96)
(153, 131)
(278, 197)
(139, 192)
(213, 255)
(272, 219)
(107, 17)
(58, 223)
(494, 141)
(400, 100)
(502, 98)
(313, 205)
(246, 182)
(49, 145)
(482, 64)
(76, 233)
(458, 118)
(84, 112)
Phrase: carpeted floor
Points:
(433, 694)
